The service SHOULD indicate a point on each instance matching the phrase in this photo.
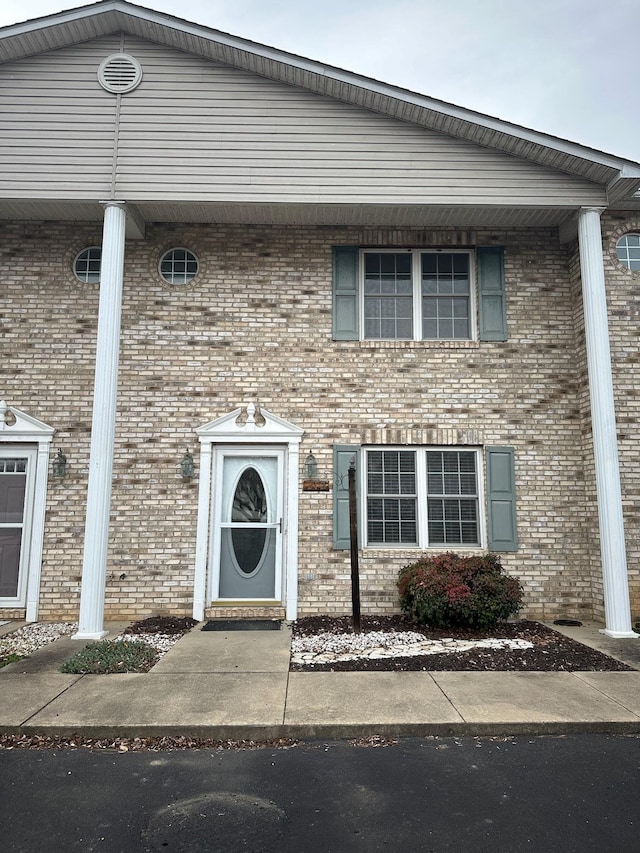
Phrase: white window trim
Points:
(188, 252)
(86, 279)
(28, 452)
(626, 262)
(416, 270)
(421, 488)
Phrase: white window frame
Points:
(23, 432)
(174, 278)
(416, 278)
(422, 498)
(30, 453)
(623, 251)
(86, 277)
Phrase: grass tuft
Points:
(10, 658)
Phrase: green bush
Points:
(109, 656)
(448, 590)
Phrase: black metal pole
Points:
(353, 533)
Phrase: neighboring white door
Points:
(17, 478)
(248, 501)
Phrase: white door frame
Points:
(18, 428)
(255, 435)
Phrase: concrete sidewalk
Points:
(236, 685)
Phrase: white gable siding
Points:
(200, 131)
(58, 125)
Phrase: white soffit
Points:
(374, 215)
(111, 16)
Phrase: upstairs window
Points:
(388, 295)
(628, 251)
(417, 295)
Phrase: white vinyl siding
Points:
(58, 125)
(199, 131)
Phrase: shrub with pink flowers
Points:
(449, 590)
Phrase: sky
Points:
(565, 67)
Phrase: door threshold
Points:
(245, 610)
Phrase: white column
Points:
(96, 537)
(605, 442)
(202, 542)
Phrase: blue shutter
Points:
(501, 499)
(345, 293)
(491, 293)
(342, 456)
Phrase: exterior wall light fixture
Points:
(187, 468)
(59, 464)
(311, 476)
(310, 467)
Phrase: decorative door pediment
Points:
(252, 425)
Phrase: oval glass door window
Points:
(249, 507)
(250, 499)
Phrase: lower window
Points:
(422, 497)
(17, 473)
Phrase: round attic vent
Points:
(119, 73)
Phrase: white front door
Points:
(248, 520)
(17, 475)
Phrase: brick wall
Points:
(256, 326)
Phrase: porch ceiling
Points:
(359, 215)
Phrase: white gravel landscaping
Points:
(330, 648)
(160, 642)
(30, 638)
(318, 648)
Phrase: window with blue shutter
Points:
(418, 294)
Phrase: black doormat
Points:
(242, 625)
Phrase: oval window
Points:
(249, 507)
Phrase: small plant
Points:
(9, 658)
(110, 656)
(448, 590)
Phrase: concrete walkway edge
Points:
(237, 686)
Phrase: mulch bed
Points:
(552, 651)
(162, 625)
